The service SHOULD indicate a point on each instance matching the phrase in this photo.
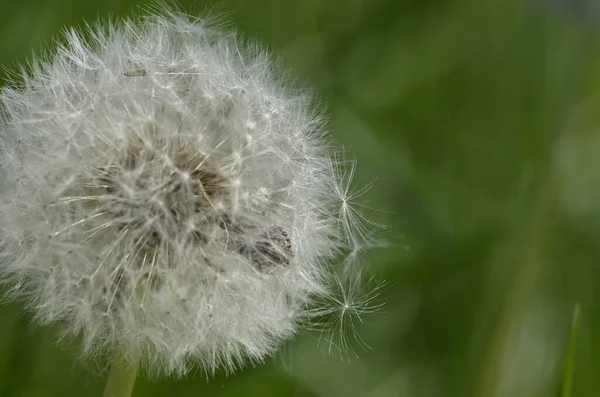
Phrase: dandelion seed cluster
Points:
(163, 194)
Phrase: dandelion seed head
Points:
(165, 194)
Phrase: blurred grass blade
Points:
(570, 359)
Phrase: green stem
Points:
(121, 378)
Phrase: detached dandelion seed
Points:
(166, 196)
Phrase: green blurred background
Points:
(479, 121)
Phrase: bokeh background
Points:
(479, 122)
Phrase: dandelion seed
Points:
(137, 73)
(348, 302)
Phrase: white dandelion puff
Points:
(164, 193)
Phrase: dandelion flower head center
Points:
(165, 189)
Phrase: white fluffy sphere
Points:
(162, 193)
